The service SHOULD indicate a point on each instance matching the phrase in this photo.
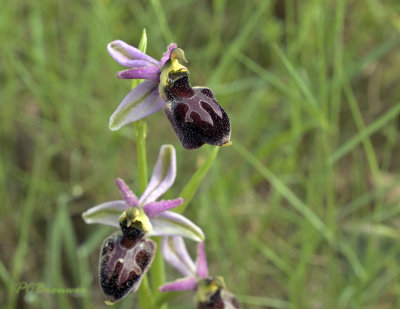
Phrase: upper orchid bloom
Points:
(211, 292)
(194, 113)
(154, 215)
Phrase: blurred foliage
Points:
(302, 211)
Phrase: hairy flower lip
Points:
(124, 259)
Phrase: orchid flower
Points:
(127, 255)
(194, 113)
(155, 217)
(211, 292)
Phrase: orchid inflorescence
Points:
(197, 118)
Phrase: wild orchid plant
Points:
(197, 118)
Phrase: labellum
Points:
(194, 113)
(125, 258)
(212, 294)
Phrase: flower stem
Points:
(157, 273)
(140, 130)
(145, 296)
(146, 293)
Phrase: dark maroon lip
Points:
(195, 114)
(125, 257)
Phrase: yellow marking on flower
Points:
(136, 217)
(227, 144)
(220, 282)
(144, 220)
(123, 217)
(171, 65)
(129, 215)
(206, 288)
(178, 53)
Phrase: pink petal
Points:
(140, 102)
(129, 197)
(106, 213)
(184, 284)
(129, 56)
(165, 56)
(163, 175)
(175, 253)
(201, 263)
(169, 223)
(153, 209)
(148, 72)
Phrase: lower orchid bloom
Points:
(211, 292)
(127, 255)
(194, 113)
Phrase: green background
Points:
(302, 211)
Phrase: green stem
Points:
(145, 296)
(147, 293)
(157, 274)
(140, 130)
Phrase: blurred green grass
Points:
(302, 211)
